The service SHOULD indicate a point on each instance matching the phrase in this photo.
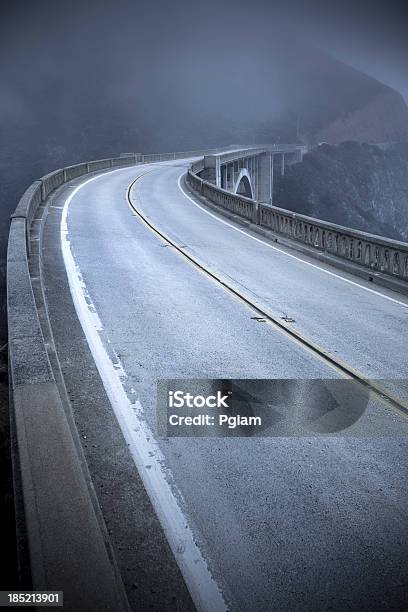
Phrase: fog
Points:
(140, 66)
(81, 80)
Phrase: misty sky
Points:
(371, 35)
(92, 78)
(152, 60)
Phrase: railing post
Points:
(255, 213)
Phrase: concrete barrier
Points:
(99, 164)
(373, 252)
(61, 543)
(51, 181)
(65, 547)
(29, 202)
(71, 172)
(376, 254)
(125, 160)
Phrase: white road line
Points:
(271, 246)
(142, 444)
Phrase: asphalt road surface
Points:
(271, 523)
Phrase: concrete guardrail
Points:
(374, 253)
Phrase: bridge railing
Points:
(236, 154)
(369, 250)
(373, 252)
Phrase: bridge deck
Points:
(268, 514)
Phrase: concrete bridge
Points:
(250, 172)
(123, 272)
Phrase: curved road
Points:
(272, 523)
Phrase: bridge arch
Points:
(243, 184)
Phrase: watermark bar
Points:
(270, 408)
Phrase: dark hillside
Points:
(352, 184)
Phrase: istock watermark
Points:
(272, 408)
(179, 399)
